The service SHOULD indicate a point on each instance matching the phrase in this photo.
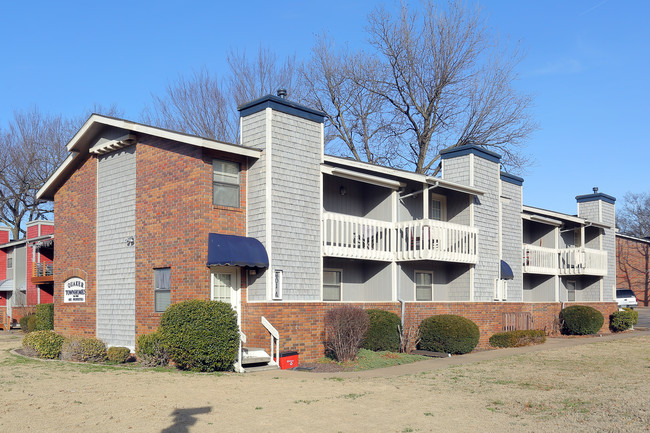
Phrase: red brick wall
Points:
(633, 263)
(4, 238)
(174, 214)
(301, 324)
(75, 205)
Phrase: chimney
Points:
(282, 93)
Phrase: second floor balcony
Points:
(364, 238)
(42, 273)
(564, 261)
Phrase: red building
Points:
(26, 271)
(633, 262)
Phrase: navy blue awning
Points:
(229, 250)
(506, 271)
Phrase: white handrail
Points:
(238, 365)
(275, 338)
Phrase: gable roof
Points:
(80, 146)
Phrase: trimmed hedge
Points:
(151, 350)
(118, 354)
(44, 317)
(46, 344)
(518, 338)
(84, 350)
(383, 332)
(623, 320)
(24, 323)
(581, 320)
(633, 313)
(448, 333)
(201, 335)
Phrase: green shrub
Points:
(623, 320)
(24, 325)
(44, 317)
(581, 320)
(448, 333)
(31, 323)
(383, 331)
(345, 328)
(201, 335)
(634, 314)
(118, 355)
(46, 344)
(518, 338)
(151, 350)
(84, 350)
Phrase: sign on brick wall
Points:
(74, 290)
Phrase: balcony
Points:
(362, 238)
(564, 261)
(42, 273)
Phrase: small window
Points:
(225, 183)
(10, 262)
(331, 285)
(423, 286)
(162, 289)
(571, 291)
(438, 207)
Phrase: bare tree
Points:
(633, 218)
(31, 149)
(356, 117)
(206, 105)
(447, 82)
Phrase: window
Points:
(423, 286)
(222, 284)
(331, 285)
(571, 291)
(162, 289)
(438, 207)
(225, 183)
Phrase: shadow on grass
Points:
(183, 418)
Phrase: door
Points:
(225, 287)
(571, 291)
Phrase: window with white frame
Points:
(162, 289)
(571, 291)
(423, 286)
(438, 207)
(10, 261)
(225, 183)
(332, 284)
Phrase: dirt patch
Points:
(576, 388)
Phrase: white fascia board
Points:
(552, 214)
(47, 222)
(14, 243)
(598, 224)
(402, 174)
(165, 133)
(541, 219)
(59, 171)
(632, 238)
(440, 183)
(362, 177)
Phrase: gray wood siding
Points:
(538, 288)
(363, 281)
(511, 245)
(296, 180)
(115, 259)
(254, 135)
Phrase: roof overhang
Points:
(85, 142)
(362, 177)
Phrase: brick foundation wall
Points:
(174, 214)
(301, 325)
(75, 206)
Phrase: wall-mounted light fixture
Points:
(130, 241)
(342, 190)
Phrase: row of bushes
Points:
(41, 320)
(50, 345)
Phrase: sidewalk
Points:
(552, 343)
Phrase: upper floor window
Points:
(438, 207)
(225, 183)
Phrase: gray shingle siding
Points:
(296, 181)
(511, 245)
(115, 259)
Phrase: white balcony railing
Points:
(363, 238)
(583, 261)
(540, 260)
(355, 237)
(436, 240)
(564, 261)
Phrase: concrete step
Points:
(254, 355)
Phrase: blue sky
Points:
(586, 65)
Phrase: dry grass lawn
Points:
(598, 387)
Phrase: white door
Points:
(225, 287)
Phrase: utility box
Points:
(288, 360)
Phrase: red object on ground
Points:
(288, 360)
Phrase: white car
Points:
(626, 298)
